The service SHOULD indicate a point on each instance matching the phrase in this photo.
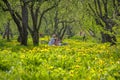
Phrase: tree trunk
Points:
(24, 24)
(103, 17)
(63, 32)
(35, 38)
(55, 22)
(7, 32)
(69, 32)
(108, 38)
(22, 28)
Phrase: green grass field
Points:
(76, 61)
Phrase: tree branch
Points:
(42, 14)
(99, 6)
(12, 14)
(92, 9)
(32, 15)
(96, 8)
(18, 16)
(105, 7)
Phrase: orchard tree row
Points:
(63, 17)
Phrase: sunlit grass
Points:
(77, 60)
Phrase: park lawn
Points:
(77, 60)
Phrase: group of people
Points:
(54, 40)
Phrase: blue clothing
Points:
(52, 41)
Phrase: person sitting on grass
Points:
(52, 40)
(57, 42)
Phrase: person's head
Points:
(54, 35)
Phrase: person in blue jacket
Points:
(52, 40)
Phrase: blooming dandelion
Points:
(76, 61)
(22, 56)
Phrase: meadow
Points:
(78, 60)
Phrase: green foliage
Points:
(75, 61)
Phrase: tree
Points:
(8, 32)
(21, 17)
(62, 18)
(104, 17)
(37, 18)
(21, 22)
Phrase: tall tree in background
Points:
(103, 11)
(8, 32)
(63, 18)
(37, 14)
(21, 22)
(24, 22)
(21, 17)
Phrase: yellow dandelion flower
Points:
(77, 66)
(101, 62)
(22, 56)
